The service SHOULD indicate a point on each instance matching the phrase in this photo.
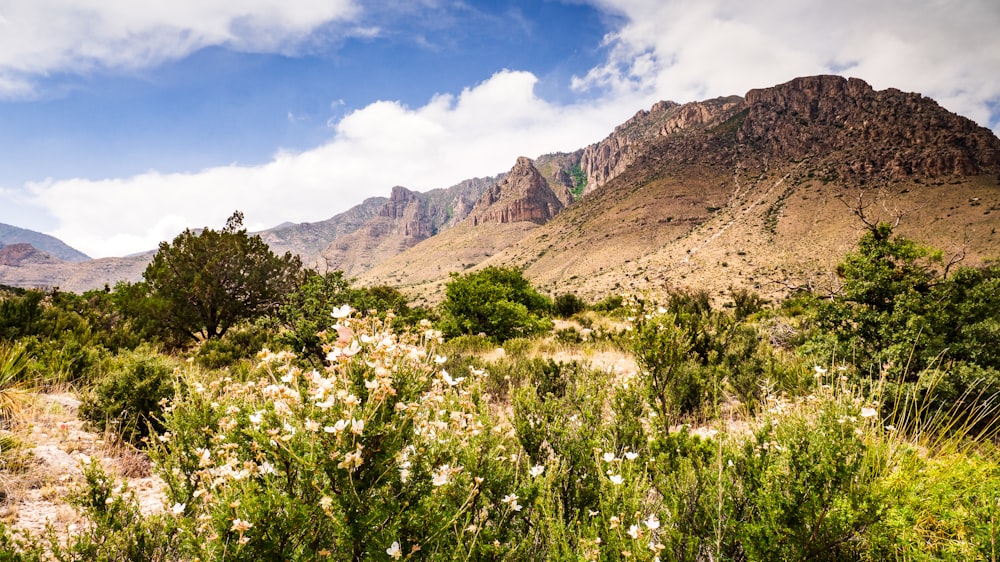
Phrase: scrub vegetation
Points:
(337, 422)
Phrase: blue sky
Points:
(121, 123)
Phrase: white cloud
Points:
(39, 37)
(479, 132)
(681, 50)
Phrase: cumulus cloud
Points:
(478, 132)
(682, 50)
(39, 37)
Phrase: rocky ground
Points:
(35, 491)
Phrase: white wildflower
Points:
(634, 531)
(441, 476)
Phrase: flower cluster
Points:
(383, 421)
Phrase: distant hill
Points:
(51, 245)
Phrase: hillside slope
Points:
(760, 192)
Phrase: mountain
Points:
(511, 208)
(309, 239)
(404, 220)
(75, 277)
(48, 244)
(761, 191)
(524, 195)
(23, 254)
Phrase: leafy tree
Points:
(203, 283)
(496, 301)
(932, 333)
(896, 306)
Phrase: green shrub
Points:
(235, 346)
(128, 399)
(468, 344)
(517, 347)
(307, 311)
(568, 304)
(942, 508)
(13, 362)
(568, 335)
(497, 302)
(381, 452)
(117, 530)
(552, 420)
(610, 303)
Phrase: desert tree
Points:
(203, 283)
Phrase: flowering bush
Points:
(381, 453)
(392, 451)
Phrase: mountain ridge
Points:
(709, 198)
(10, 234)
(752, 191)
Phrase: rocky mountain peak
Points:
(523, 195)
(400, 199)
(876, 133)
(22, 254)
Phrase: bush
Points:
(610, 303)
(307, 311)
(380, 454)
(497, 302)
(568, 304)
(235, 346)
(128, 399)
(569, 335)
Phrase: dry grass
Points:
(52, 442)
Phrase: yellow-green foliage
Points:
(13, 362)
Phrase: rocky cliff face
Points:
(606, 160)
(522, 196)
(875, 134)
(404, 220)
(883, 133)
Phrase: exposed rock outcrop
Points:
(881, 133)
(404, 220)
(523, 196)
(18, 255)
(886, 133)
(606, 160)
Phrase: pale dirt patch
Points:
(39, 497)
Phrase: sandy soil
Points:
(37, 497)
